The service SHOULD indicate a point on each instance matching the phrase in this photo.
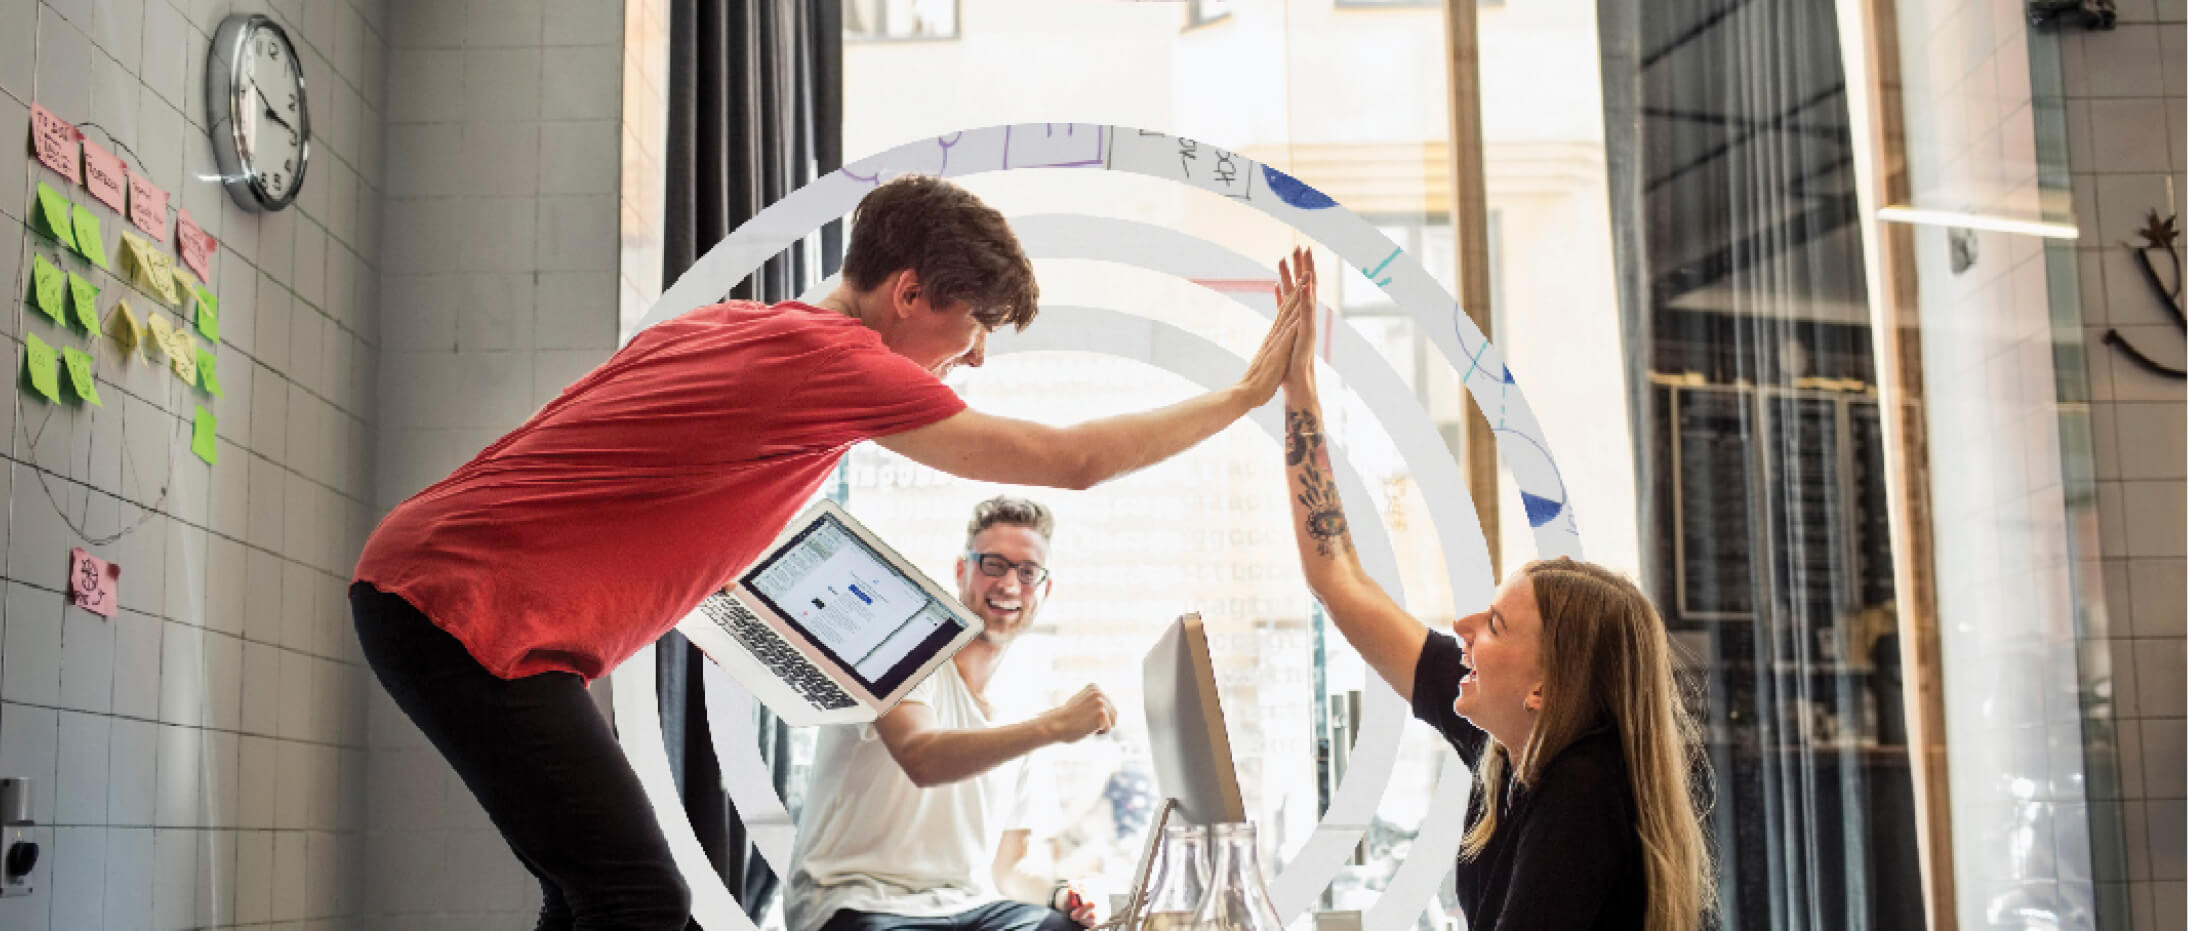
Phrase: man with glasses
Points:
(920, 820)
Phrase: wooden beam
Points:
(1869, 42)
(1470, 213)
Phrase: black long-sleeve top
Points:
(1566, 854)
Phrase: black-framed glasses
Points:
(993, 566)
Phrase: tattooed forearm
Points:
(1325, 515)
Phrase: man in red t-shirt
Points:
(488, 601)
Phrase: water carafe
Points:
(1237, 899)
(1179, 880)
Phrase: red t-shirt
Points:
(600, 523)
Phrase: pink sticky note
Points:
(56, 140)
(147, 206)
(105, 177)
(93, 583)
(196, 245)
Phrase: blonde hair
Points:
(1605, 655)
(1004, 509)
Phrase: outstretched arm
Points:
(1386, 636)
(988, 448)
(933, 755)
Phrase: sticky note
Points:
(38, 361)
(196, 245)
(208, 314)
(208, 377)
(49, 286)
(149, 268)
(122, 327)
(182, 354)
(53, 218)
(201, 437)
(56, 140)
(90, 243)
(93, 583)
(86, 302)
(186, 284)
(163, 336)
(147, 206)
(78, 363)
(105, 176)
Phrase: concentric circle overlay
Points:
(1060, 148)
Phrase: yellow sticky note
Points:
(53, 216)
(208, 376)
(90, 243)
(78, 363)
(122, 327)
(133, 247)
(185, 283)
(163, 336)
(182, 353)
(201, 437)
(86, 302)
(49, 286)
(38, 360)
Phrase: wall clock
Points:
(261, 123)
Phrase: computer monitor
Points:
(1185, 727)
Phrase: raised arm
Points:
(1386, 636)
(987, 448)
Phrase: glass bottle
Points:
(1179, 879)
(1237, 898)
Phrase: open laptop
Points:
(830, 625)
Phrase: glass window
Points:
(899, 19)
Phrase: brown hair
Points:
(1004, 509)
(961, 249)
(1606, 657)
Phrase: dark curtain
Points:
(755, 111)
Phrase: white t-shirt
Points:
(871, 840)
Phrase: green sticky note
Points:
(53, 210)
(208, 314)
(90, 243)
(86, 302)
(79, 374)
(201, 437)
(50, 287)
(38, 359)
(206, 375)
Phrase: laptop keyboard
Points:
(771, 650)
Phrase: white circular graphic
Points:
(1059, 147)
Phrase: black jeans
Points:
(542, 762)
(994, 916)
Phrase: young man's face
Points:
(937, 338)
(1005, 602)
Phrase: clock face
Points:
(262, 136)
(270, 109)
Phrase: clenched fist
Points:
(1088, 712)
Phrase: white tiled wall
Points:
(197, 757)
(504, 129)
(2126, 136)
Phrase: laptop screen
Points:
(874, 621)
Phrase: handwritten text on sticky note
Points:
(106, 177)
(148, 207)
(93, 583)
(55, 138)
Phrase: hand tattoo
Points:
(1318, 493)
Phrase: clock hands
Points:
(270, 111)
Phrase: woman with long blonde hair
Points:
(1559, 696)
